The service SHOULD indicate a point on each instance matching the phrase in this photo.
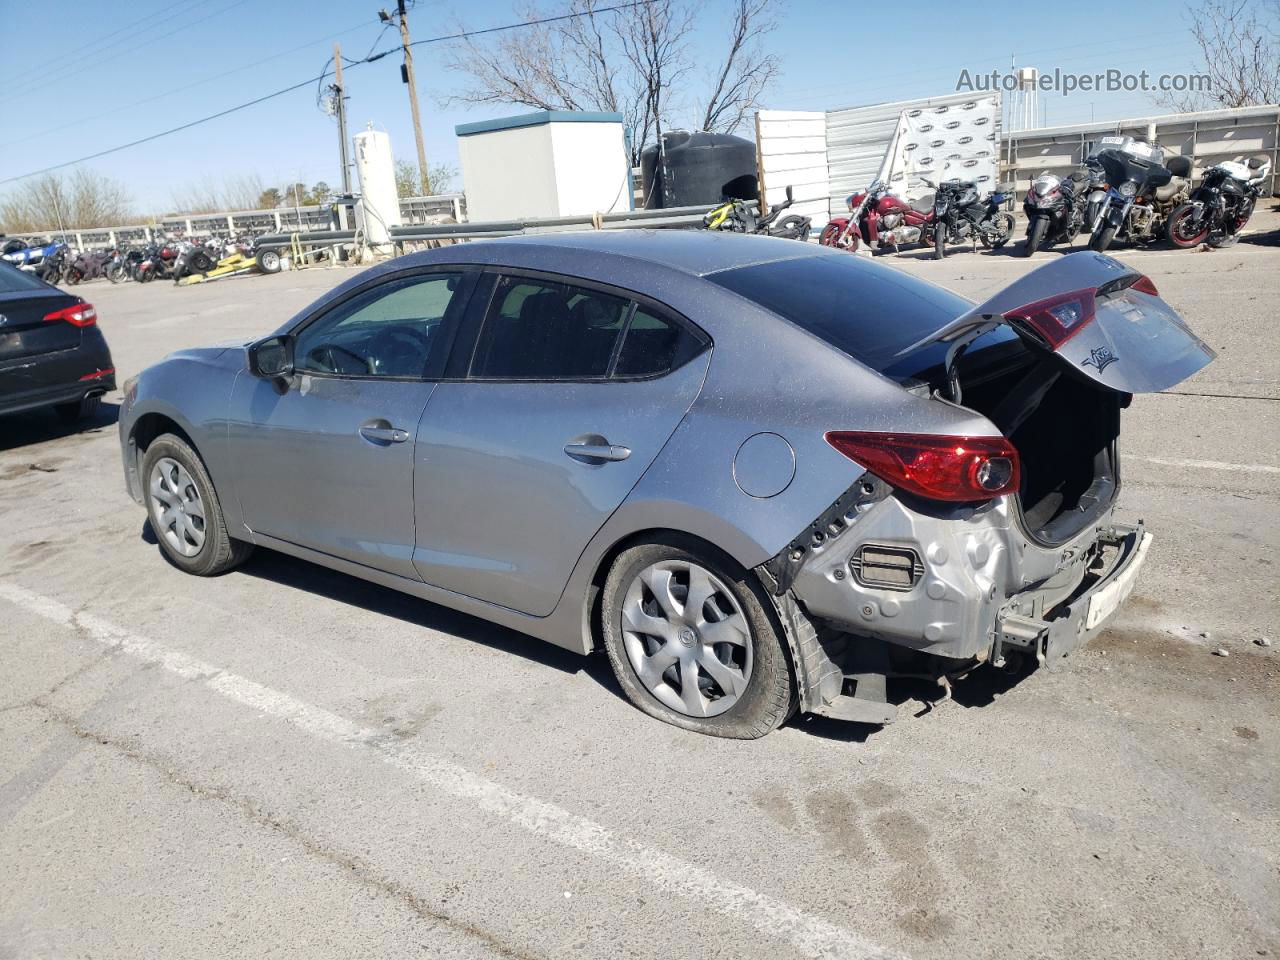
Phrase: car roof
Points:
(695, 252)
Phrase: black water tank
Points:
(698, 169)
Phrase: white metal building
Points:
(548, 164)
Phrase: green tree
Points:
(270, 198)
(409, 184)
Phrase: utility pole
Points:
(406, 75)
(340, 109)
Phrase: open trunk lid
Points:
(1102, 318)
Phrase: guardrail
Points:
(421, 233)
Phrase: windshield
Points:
(866, 310)
(13, 280)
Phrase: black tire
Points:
(78, 410)
(940, 242)
(792, 227)
(201, 262)
(1036, 230)
(220, 552)
(1101, 240)
(1005, 231)
(118, 273)
(268, 261)
(769, 697)
(1175, 230)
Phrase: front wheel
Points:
(692, 643)
(184, 511)
(1036, 230)
(1185, 229)
(1102, 238)
(940, 241)
(999, 232)
(117, 273)
(830, 233)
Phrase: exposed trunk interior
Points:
(1064, 427)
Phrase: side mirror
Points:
(272, 358)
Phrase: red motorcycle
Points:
(881, 221)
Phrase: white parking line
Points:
(809, 934)
(1209, 465)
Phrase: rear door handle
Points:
(597, 452)
(379, 431)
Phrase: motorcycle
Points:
(88, 266)
(1140, 193)
(191, 259)
(736, 216)
(47, 261)
(1222, 204)
(1057, 208)
(879, 219)
(959, 215)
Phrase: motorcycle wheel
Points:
(1000, 232)
(1102, 239)
(793, 227)
(1182, 229)
(73, 277)
(829, 234)
(1036, 230)
(116, 274)
(940, 242)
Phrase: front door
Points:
(328, 462)
(569, 394)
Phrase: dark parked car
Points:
(52, 353)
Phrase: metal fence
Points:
(299, 219)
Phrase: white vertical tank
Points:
(379, 206)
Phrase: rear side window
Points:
(869, 311)
(541, 330)
(653, 345)
(545, 330)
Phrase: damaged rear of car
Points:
(953, 550)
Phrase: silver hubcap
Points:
(177, 512)
(686, 638)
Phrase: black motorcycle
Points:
(959, 215)
(1222, 204)
(1057, 207)
(88, 266)
(1141, 191)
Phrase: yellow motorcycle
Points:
(737, 216)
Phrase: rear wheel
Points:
(1036, 230)
(1185, 229)
(793, 227)
(1101, 240)
(998, 234)
(78, 410)
(184, 511)
(692, 643)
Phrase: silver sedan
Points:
(763, 477)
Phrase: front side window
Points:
(390, 330)
(543, 330)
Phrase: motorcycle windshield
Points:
(1121, 166)
(1100, 317)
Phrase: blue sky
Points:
(97, 75)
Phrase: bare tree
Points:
(55, 202)
(240, 192)
(631, 61)
(1239, 44)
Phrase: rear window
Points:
(869, 311)
(13, 280)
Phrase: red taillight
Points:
(99, 374)
(1059, 318)
(956, 469)
(78, 315)
(1144, 285)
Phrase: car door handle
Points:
(379, 431)
(597, 452)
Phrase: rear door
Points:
(1101, 317)
(564, 394)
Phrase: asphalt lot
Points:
(288, 762)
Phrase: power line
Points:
(311, 80)
(64, 54)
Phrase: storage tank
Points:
(695, 169)
(379, 206)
